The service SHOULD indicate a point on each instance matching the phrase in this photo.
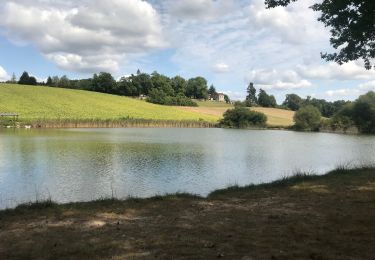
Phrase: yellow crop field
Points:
(276, 117)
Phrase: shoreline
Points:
(317, 217)
(111, 123)
(125, 123)
(283, 182)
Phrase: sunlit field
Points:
(275, 116)
(36, 102)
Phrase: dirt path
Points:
(327, 218)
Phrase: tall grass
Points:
(296, 178)
(117, 123)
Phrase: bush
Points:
(158, 96)
(307, 118)
(363, 113)
(360, 113)
(240, 104)
(340, 122)
(265, 100)
(241, 117)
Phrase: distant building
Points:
(220, 97)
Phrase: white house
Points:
(220, 97)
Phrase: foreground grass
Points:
(328, 217)
(35, 103)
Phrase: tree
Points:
(143, 83)
(13, 80)
(293, 102)
(227, 99)
(32, 81)
(363, 112)
(197, 88)
(25, 79)
(360, 113)
(55, 81)
(49, 81)
(327, 109)
(157, 96)
(126, 87)
(352, 26)
(307, 118)
(179, 85)
(85, 84)
(251, 97)
(64, 82)
(242, 117)
(162, 83)
(104, 82)
(212, 91)
(266, 100)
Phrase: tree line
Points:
(311, 114)
(156, 88)
(359, 113)
(292, 102)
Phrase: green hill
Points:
(45, 103)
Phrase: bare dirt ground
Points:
(330, 217)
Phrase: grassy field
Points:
(276, 117)
(212, 104)
(326, 217)
(56, 107)
(34, 103)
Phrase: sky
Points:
(229, 42)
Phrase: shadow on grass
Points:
(297, 178)
(294, 179)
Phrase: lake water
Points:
(86, 164)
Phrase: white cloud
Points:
(368, 86)
(295, 24)
(235, 95)
(351, 93)
(247, 37)
(221, 67)
(3, 74)
(353, 70)
(279, 49)
(193, 10)
(348, 93)
(84, 35)
(277, 79)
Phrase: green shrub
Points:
(241, 117)
(363, 113)
(360, 113)
(158, 96)
(340, 122)
(307, 118)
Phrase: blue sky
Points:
(229, 42)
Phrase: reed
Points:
(118, 123)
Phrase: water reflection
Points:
(86, 164)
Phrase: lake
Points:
(85, 164)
